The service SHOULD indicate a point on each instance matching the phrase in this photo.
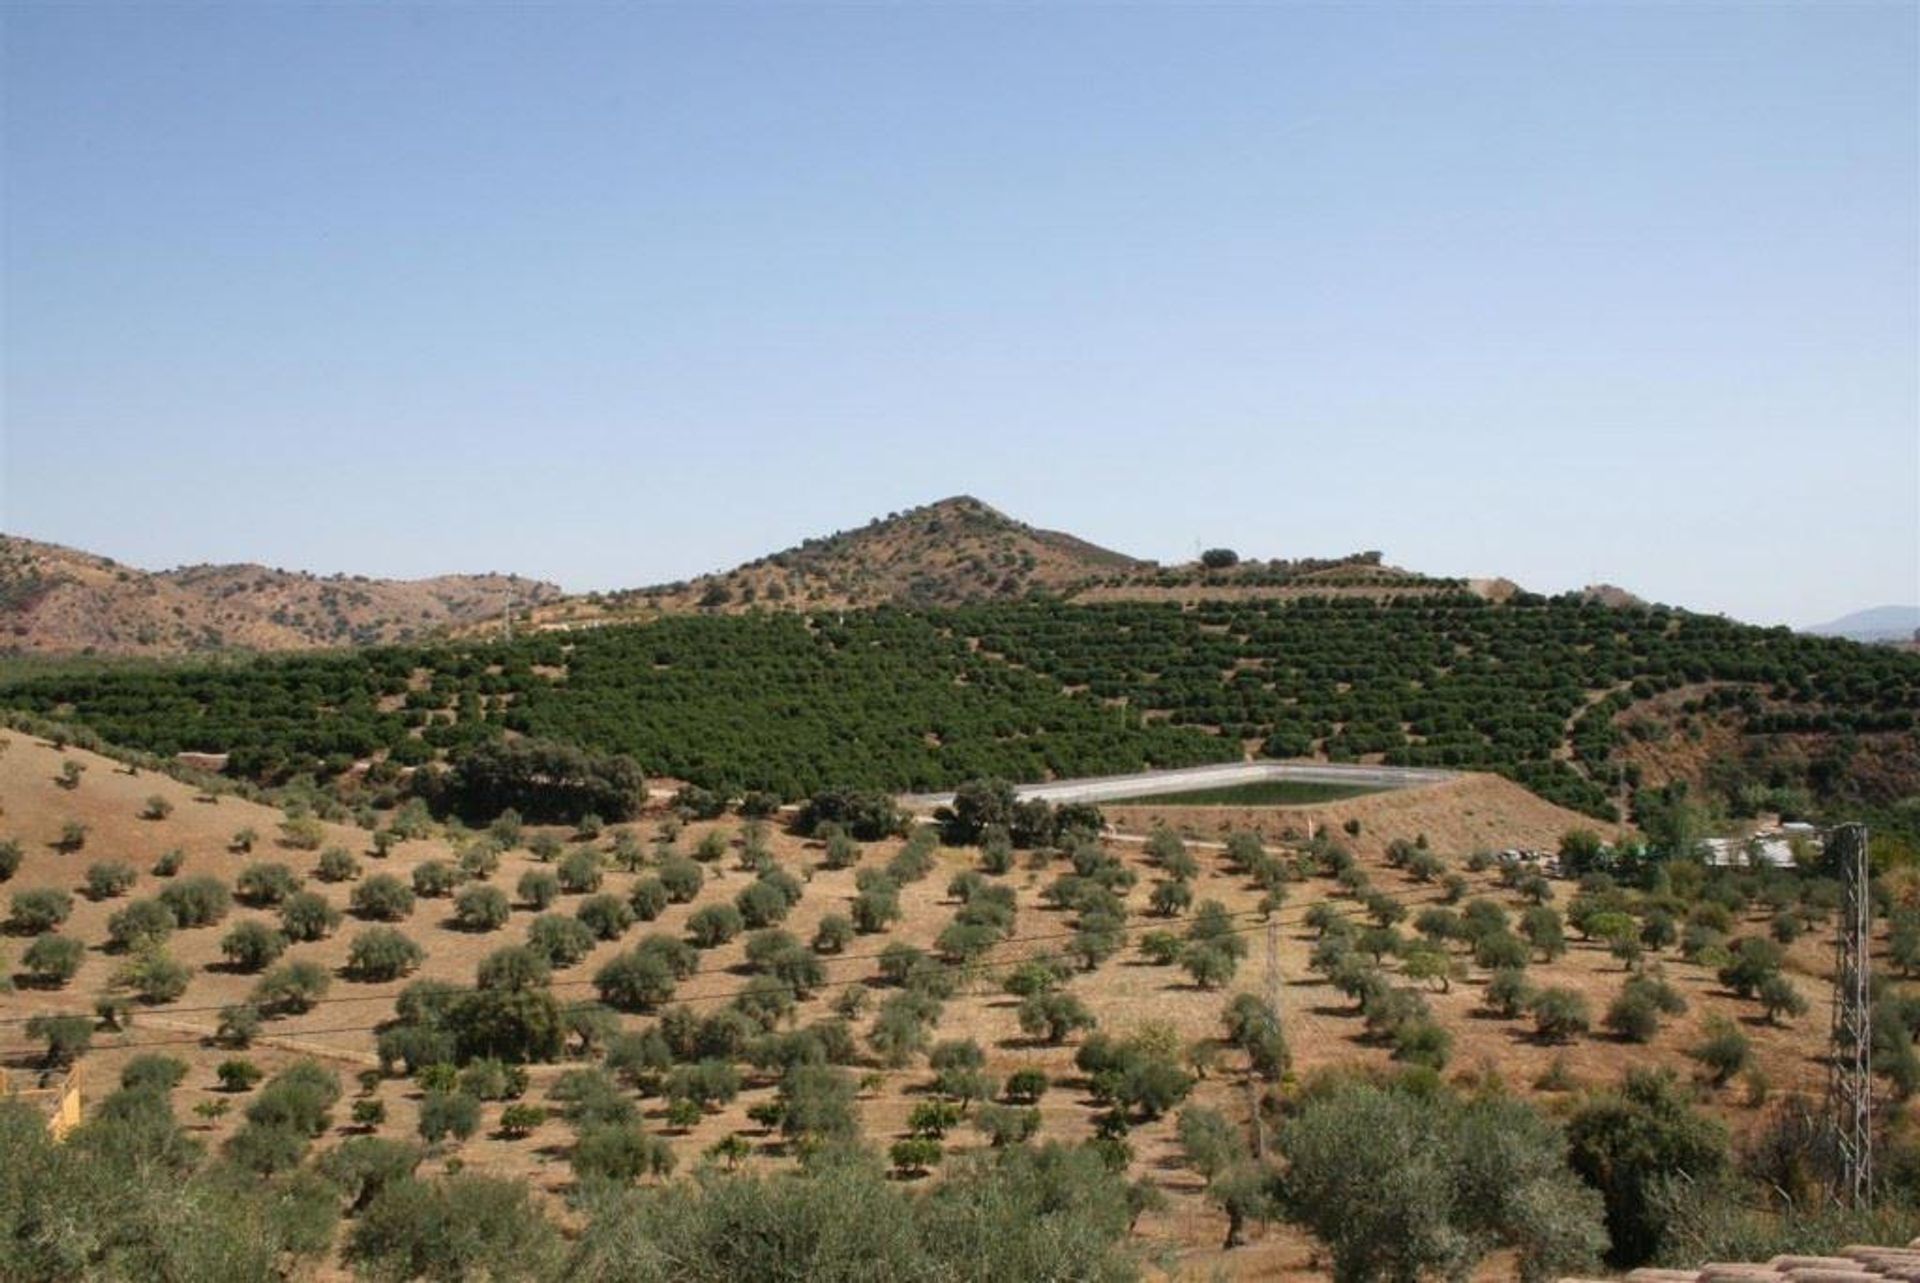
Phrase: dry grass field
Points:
(1124, 993)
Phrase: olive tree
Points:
(1399, 1185)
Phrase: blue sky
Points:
(617, 294)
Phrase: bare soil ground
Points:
(1124, 993)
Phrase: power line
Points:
(1850, 1044)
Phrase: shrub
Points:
(761, 904)
(1724, 1052)
(621, 1153)
(507, 829)
(52, 960)
(1541, 926)
(842, 852)
(479, 861)
(361, 1166)
(648, 899)
(1026, 1086)
(682, 879)
(538, 889)
(113, 1010)
(713, 925)
(464, 1226)
(140, 924)
(299, 1098)
(197, 902)
(292, 987)
(40, 909)
(479, 907)
(1559, 1014)
(302, 833)
(1499, 950)
(1633, 1016)
(152, 1072)
(516, 1025)
(238, 1025)
(1754, 961)
(708, 1083)
(914, 1155)
(238, 1075)
(1170, 899)
(108, 879)
(337, 865)
(1053, 1015)
(1400, 1186)
(607, 916)
(1508, 992)
(514, 967)
(252, 945)
(383, 898)
(579, 871)
(308, 915)
(518, 1120)
(635, 981)
(67, 1037)
(10, 857)
(561, 940)
(1209, 964)
(1628, 1143)
(1779, 997)
(491, 1079)
(265, 885)
(877, 907)
(382, 953)
(1254, 1027)
(448, 1113)
(433, 879)
(169, 863)
(153, 976)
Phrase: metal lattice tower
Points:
(1273, 967)
(1850, 1051)
(1272, 991)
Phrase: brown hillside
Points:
(56, 600)
(956, 550)
(1124, 992)
(962, 550)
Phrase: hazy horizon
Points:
(612, 297)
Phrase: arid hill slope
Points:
(956, 550)
(961, 550)
(56, 600)
(1126, 993)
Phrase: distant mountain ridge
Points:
(1878, 623)
(959, 550)
(57, 600)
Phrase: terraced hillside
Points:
(1586, 704)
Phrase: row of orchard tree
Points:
(913, 700)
